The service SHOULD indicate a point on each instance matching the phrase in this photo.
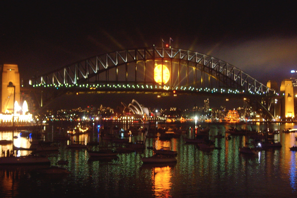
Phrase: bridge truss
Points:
(132, 71)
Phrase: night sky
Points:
(259, 37)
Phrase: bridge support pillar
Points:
(10, 73)
(287, 90)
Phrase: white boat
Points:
(159, 159)
(292, 130)
(24, 160)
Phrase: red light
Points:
(174, 91)
(167, 45)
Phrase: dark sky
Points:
(258, 37)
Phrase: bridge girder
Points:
(134, 68)
(90, 69)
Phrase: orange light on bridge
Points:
(159, 69)
(174, 93)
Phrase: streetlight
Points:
(10, 84)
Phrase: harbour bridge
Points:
(152, 70)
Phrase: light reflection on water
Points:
(220, 172)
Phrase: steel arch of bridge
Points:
(133, 69)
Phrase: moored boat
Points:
(271, 144)
(159, 159)
(293, 148)
(292, 130)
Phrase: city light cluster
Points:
(20, 115)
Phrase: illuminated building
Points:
(232, 116)
(10, 97)
(10, 73)
(137, 109)
(206, 105)
(287, 90)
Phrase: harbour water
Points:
(221, 172)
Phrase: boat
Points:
(102, 153)
(292, 130)
(77, 146)
(23, 149)
(159, 159)
(247, 150)
(271, 144)
(293, 148)
(24, 160)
